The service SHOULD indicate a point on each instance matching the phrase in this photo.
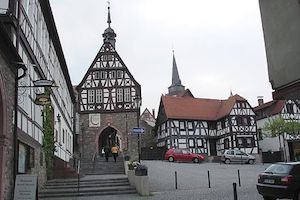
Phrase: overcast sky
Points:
(218, 44)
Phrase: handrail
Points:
(78, 175)
(94, 159)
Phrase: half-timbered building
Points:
(286, 146)
(204, 125)
(108, 101)
(31, 44)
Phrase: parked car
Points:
(280, 180)
(233, 155)
(182, 155)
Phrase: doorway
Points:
(213, 147)
(108, 138)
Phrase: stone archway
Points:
(2, 137)
(108, 136)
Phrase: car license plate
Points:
(271, 181)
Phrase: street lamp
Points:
(138, 103)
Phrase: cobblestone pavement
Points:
(193, 182)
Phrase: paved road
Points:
(193, 180)
(193, 183)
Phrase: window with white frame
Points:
(103, 75)
(91, 96)
(199, 142)
(113, 74)
(191, 143)
(119, 74)
(127, 94)
(99, 96)
(119, 95)
(96, 75)
(239, 142)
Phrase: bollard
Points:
(176, 180)
(234, 191)
(239, 177)
(208, 176)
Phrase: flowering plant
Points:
(132, 164)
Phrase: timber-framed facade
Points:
(207, 125)
(108, 102)
(286, 145)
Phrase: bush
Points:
(133, 164)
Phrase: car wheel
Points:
(171, 159)
(251, 162)
(227, 161)
(196, 160)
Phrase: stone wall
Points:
(7, 87)
(122, 122)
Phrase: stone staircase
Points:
(97, 178)
(100, 166)
(88, 186)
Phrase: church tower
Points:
(176, 87)
(108, 98)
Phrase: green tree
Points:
(278, 126)
(48, 139)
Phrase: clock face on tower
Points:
(94, 120)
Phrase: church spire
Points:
(109, 34)
(175, 75)
(176, 86)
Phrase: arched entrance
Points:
(107, 138)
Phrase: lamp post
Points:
(138, 103)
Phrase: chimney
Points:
(260, 100)
(153, 112)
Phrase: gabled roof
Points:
(198, 108)
(270, 108)
(148, 118)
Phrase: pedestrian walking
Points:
(106, 152)
(114, 151)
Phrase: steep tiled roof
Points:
(270, 108)
(198, 108)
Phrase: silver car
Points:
(233, 155)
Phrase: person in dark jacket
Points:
(106, 152)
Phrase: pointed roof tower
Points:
(109, 34)
(176, 86)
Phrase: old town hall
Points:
(109, 99)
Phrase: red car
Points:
(182, 155)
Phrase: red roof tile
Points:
(270, 108)
(198, 108)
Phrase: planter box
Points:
(131, 177)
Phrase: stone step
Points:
(95, 191)
(66, 182)
(91, 185)
(102, 173)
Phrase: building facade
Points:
(206, 126)
(288, 146)
(147, 121)
(281, 27)
(30, 28)
(108, 102)
(8, 76)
